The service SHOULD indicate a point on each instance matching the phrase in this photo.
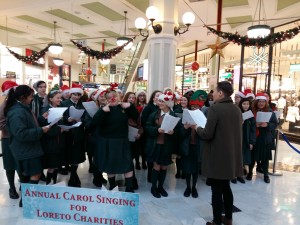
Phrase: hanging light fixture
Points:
(55, 48)
(58, 61)
(104, 61)
(123, 40)
(259, 30)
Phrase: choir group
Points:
(30, 145)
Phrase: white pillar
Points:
(162, 47)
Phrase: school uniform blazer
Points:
(222, 154)
(170, 141)
(25, 133)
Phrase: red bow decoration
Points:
(113, 86)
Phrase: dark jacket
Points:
(185, 138)
(222, 154)
(150, 108)
(170, 141)
(36, 105)
(50, 139)
(25, 133)
(114, 124)
(249, 137)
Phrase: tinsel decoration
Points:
(101, 55)
(32, 58)
(271, 39)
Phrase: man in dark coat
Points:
(222, 155)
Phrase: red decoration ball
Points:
(195, 66)
(88, 72)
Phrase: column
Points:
(162, 47)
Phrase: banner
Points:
(79, 205)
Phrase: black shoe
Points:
(177, 175)
(135, 184)
(267, 179)
(249, 176)
(163, 192)
(90, 169)
(233, 181)
(43, 177)
(187, 192)
(144, 166)
(194, 192)
(97, 182)
(103, 180)
(68, 168)
(137, 166)
(241, 179)
(13, 194)
(155, 192)
(20, 203)
(73, 183)
(62, 171)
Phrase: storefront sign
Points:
(79, 205)
(10, 75)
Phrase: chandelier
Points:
(122, 40)
(54, 47)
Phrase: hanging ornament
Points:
(195, 66)
(88, 71)
(217, 48)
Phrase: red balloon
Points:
(195, 66)
(88, 72)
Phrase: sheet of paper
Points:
(65, 127)
(198, 117)
(55, 121)
(263, 117)
(247, 115)
(277, 113)
(187, 118)
(169, 123)
(194, 117)
(90, 107)
(55, 113)
(76, 113)
(132, 132)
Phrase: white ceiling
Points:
(205, 10)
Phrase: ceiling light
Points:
(260, 30)
(123, 40)
(55, 48)
(104, 61)
(58, 61)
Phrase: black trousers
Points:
(221, 192)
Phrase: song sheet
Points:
(169, 123)
(75, 113)
(247, 115)
(90, 107)
(132, 132)
(263, 117)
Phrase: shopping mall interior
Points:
(28, 27)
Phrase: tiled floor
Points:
(276, 203)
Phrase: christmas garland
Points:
(271, 39)
(101, 55)
(32, 58)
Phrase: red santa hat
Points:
(167, 89)
(241, 94)
(260, 96)
(248, 93)
(168, 98)
(139, 92)
(6, 86)
(65, 89)
(76, 88)
(99, 92)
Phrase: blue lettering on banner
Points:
(80, 205)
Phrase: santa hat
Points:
(241, 94)
(76, 88)
(65, 89)
(177, 95)
(168, 98)
(167, 89)
(260, 96)
(198, 98)
(139, 92)
(99, 92)
(90, 91)
(6, 86)
(248, 93)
